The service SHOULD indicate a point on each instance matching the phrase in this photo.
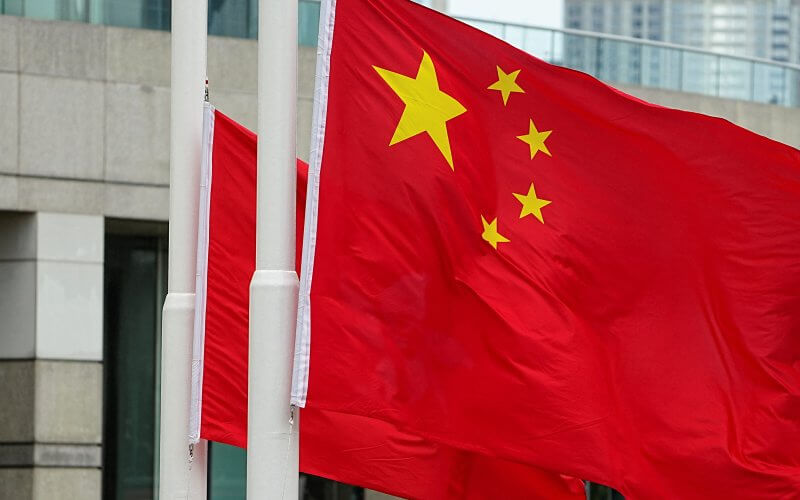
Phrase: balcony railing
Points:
(633, 61)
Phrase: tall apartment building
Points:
(766, 29)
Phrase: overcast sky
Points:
(537, 12)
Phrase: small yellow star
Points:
(428, 109)
(535, 140)
(490, 233)
(531, 204)
(506, 83)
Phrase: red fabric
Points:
(645, 336)
(348, 448)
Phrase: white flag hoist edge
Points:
(201, 284)
(303, 338)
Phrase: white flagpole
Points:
(182, 471)
(272, 437)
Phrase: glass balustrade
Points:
(630, 61)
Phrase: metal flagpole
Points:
(182, 470)
(272, 437)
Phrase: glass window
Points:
(235, 18)
(308, 19)
(232, 18)
(149, 14)
(135, 287)
(11, 7)
(68, 10)
(596, 491)
(227, 472)
(227, 468)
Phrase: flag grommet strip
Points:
(302, 349)
(201, 283)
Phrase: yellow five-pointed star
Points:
(535, 140)
(490, 233)
(531, 204)
(506, 83)
(428, 109)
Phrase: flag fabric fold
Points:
(515, 260)
(349, 448)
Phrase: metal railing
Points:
(634, 61)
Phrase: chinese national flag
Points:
(349, 448)
(514, 259)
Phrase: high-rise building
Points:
(766, 29)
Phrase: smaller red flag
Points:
(348, 448)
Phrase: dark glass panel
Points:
(133, 299)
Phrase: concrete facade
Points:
(51, 345)
(84, 136)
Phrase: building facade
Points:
(84, 204)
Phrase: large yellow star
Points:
(506, 83)
(535, 140)
(531, 204)
(490, 233)
(428, 109)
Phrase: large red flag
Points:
(349, 448)
(514, 259)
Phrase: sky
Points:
(547, 13)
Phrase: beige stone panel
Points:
(61, 127)
(69, 310)
(16, 393)
(70, 237)
(68, 402)
(9, 192)
(16, 484)
(138, 56)
(56, 195)
(74, 50)
(137, 202)
(786, 126)
(232, 64)
(137, 133)
(304, 116)
(306, 68)
(68, 455)
(9, 48)
(66, 484)
(9, 123)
